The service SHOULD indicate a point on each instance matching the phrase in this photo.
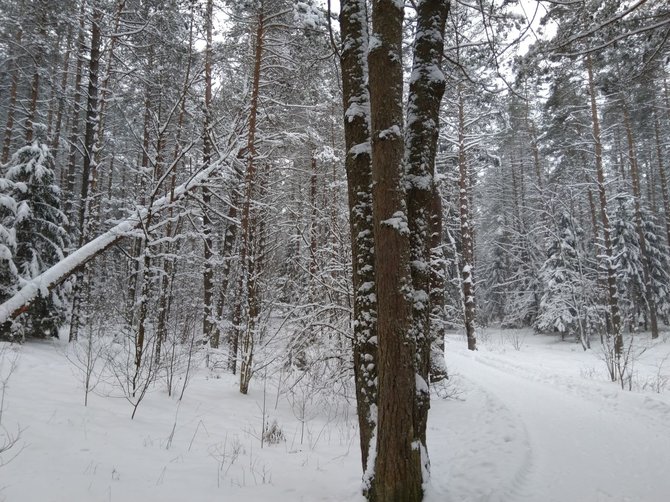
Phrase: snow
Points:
(391, 132)
(398, 221)
(541, 423)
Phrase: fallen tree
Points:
(52, 277)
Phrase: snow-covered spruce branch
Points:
(53, 276)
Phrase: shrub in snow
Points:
(32, 237)
(273, 433)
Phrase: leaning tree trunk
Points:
(398, 465)
(354, 29)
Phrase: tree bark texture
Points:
(247, 278)
(398, 467)
(426, 87)
(354, 30)
(467, 244)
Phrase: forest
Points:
(328, 198)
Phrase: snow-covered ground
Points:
(538, 424)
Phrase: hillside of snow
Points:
(528, 418)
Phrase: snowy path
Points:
(574, 441)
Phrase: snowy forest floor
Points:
(539, 424)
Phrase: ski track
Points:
(573, 441)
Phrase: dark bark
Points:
(247, 280)
(76, 116)
(426, 88)
(208, 319)
(354, 29)
(397, 475)
(88, 171)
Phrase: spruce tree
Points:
(37, 225)
(560, 275)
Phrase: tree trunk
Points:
(663, 177)
(467, 263)
(354, 29)
(398, 476)
(76, 116)
(425, 95)
(438, 281)
(615, 318)
(208, 319)
(11, 107)
(88, 171)
(55, 144)
(246, 281)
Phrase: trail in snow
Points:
(569, 439)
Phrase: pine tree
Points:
(38, 226)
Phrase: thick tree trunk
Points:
(426, 88)
(354, 29)
(398, 463)
(227, 246)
